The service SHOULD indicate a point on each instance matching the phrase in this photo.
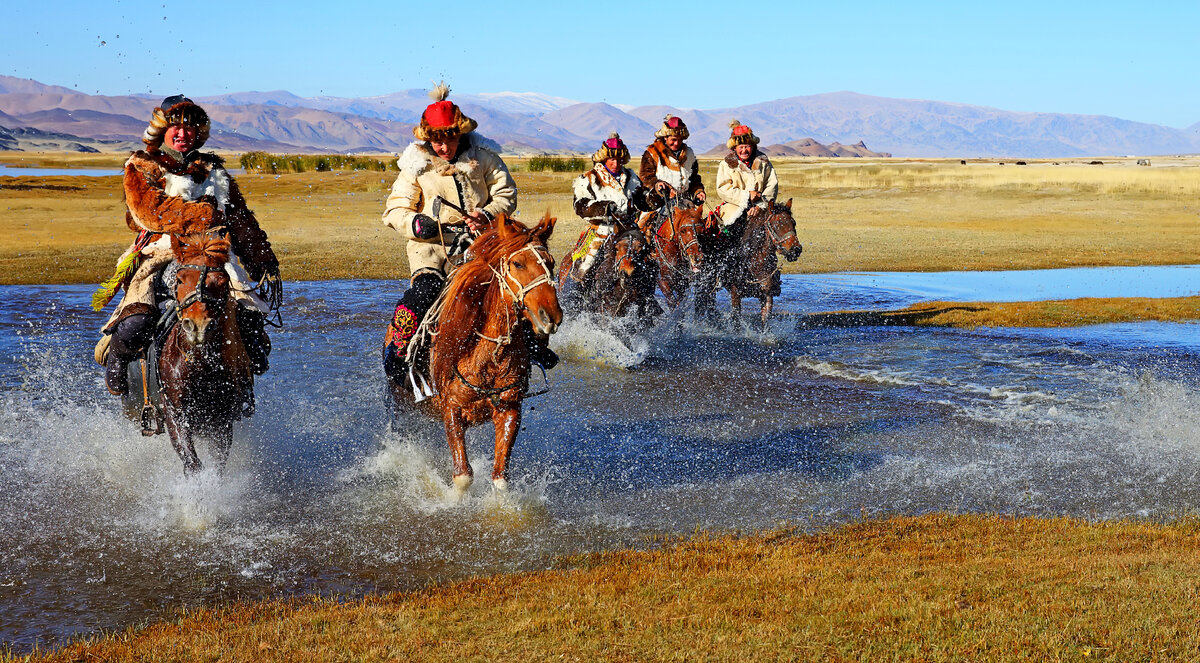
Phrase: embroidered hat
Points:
(442, 119)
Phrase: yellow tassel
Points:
(107, 290)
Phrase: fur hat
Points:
(673, 126)
(442, 119)
(613, 148)
(173, 110)
(740, 134)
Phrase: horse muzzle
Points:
(194, 332)
(547, 321)
(793, 253)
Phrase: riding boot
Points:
(585, 265)
(253, 328)
(422, 292)
(130, 338)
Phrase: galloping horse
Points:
(622, 280)
(204, 368)
(677, 247)
(480, 355)
(750, 268)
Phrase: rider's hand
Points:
(664, 189)
(477, 222)
(755, 196)
(700, 196)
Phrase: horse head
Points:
(687, 221)
(526, 272)
(781, 226)
(201, 283)
(631, 253)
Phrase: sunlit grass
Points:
(934, 588)
(1054, 313)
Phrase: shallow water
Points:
(19, 171)
(687, 427)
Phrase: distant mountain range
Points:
(840, 123)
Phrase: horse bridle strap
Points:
(198, 294)
(518, 295)
(775, 237)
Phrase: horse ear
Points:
(788, 204)
(504, 226)
(545, 228)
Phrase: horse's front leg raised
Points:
(456, 436)
(507, 422)
(181, 439)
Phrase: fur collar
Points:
(605, 178)
(757, 159)
(664, 155)
(419, 158)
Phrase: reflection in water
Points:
(684, 428)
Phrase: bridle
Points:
(198, 295)
(776, 238)
(668, 209)
(522, 291)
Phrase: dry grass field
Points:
(888, 215)
(934, 588)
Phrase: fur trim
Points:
(732, 160)
(460, 124)
(184, 112)
(215, 185)
(681, 131)
(440, 92)
(740, 134)
(621, 153)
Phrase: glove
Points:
(424, 227)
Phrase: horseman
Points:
(745, 178)
(446, 168)
(171, 188)
(607, 195)
(669, 167)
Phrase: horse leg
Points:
(507, 423)
(767, 302)
(181, 439)
(456, 436)
(222, 440)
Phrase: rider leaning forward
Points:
(607, 195)
(446, 162)
(745, 177)
(669, 167)
(171, 188)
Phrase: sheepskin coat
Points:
(597, 187)
(164, 196)
(735, 181)
(660, 164)
(476, 179)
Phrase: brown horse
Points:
(750, 268)
(480, 356)
(621, 282)
(204, 368)
(676, 239)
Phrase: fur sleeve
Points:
(250, 243)
(694, 182)
(501, 188)
(770, 181)
(403, 203)
(150, 208)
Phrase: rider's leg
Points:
(539, 347)
(252, 325)
(130, 338)
(422, 291)
(602, 233)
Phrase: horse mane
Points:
(474, 290)
(212, 251)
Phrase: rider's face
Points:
(445, 148)
(673, 142)
(180, 137)
(612, 164)
(744, 150)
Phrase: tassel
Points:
(107, 290)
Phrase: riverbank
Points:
(1055, 313)
(933, 588)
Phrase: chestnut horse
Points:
(203, 366)
(750, 268)
(621, 282)
(480, 355)
(676, 238)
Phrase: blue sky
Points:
(1126, 59)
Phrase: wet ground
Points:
(691, 427)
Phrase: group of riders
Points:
(450, 188)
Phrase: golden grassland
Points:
(931, 588)
(1054, 313)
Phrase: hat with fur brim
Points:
(442, 119)
(740, 134)
(613, 148)
(176, 110)
(672, 126)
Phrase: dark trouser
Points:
(422, 291)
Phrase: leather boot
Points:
(130, 337)
(395, 345)
(116, 374)
(252, 325)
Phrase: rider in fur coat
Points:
(607, 194)
(669, 166)
(172, 189)
(449, 163)
(745, 176)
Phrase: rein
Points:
(668, 209)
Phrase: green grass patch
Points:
(558, 164)
(274, 164)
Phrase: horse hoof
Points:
(500, 484)
(462, 483)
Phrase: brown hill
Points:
(809, 147)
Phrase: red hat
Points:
(442, 119)
(740, 135)
(672, 126)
